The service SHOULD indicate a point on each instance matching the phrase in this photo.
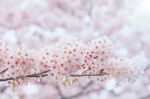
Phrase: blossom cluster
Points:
(69, 61)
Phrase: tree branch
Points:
(88, 75)
(44, 73)
(3, 71)
(41, 74)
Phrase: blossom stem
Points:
(41, 74)
(84, 75)
(3, 71)
(45, 73)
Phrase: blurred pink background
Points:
(38, 23)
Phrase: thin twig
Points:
(88, 75)
(44, 73)
(41, 74)
(3, 71)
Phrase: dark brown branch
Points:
(3, 71)
(41, 74)
(44, 73)
(88, 75)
